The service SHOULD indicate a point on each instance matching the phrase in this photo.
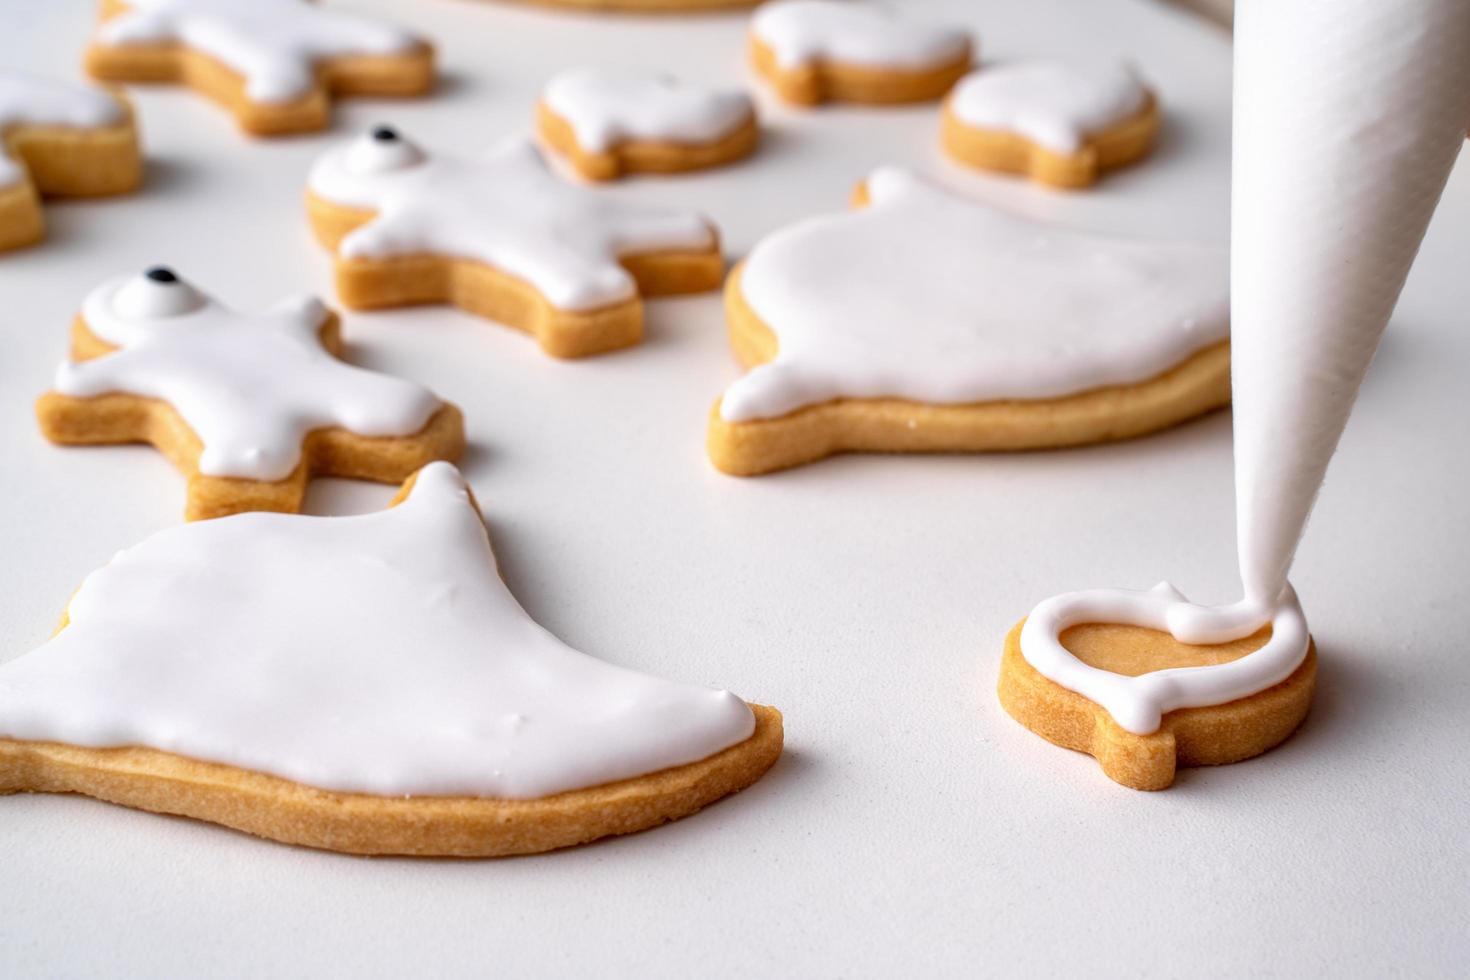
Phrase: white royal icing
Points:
(926, 296)
(1139, 703)
(373, 654)
(275, 44)
(1056, 105)
(606, 107)
(800, 32)
(26, 100)
(250, 386)
(503, 208)
(1317, 266)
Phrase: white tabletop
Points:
(911, 825)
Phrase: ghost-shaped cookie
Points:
(364, 684)
(1060, 123)
(814, 51)
(926, 322)
(248, 406)
(608, 122)
(500, 235)
(59, 140)
(274, 64)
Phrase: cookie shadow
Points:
(1348, 707)
(168, 175)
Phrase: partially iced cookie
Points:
(361, 684)
(608, 122)
(274, 64)
(813, 51)
(1059, 123)
(249, 406)
(925, 322)
(500, 235)
(62, 140)
(1148, 682)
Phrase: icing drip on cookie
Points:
(1377, 112)
(1052, 104)
(801, 32)
(26, 100)
(250, 386)
(926, 296)
(376, 654)
(503, 208)
(605, 107)
(274, 44)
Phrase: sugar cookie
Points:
(924, 322)
(62, 140)
(501, 236)
(275, 64)
(608, 123)
(1128, 678)
(248, 406)
(814, 51)
(1060, 124)
(361, 684)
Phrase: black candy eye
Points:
(385, 134)
(161, 273)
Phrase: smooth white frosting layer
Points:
(606, 107)
(251, 386)
(928, 296)
(1054, 104)
(26, 100)
(1348, 118)
(374, 654)
(274, 44)
(503, 208)
(854, 32)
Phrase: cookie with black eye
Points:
(500, 235)
(249, 406)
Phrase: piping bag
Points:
(1348, 117)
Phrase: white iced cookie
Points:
(499, 234)
(927, 322)
(1062, 123)
(273, 63)
(247, 404)
(608, 122)
(364, 684)
(813, 51)
(59, 139)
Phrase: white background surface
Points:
(911, 826)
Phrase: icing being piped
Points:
(1369, 99)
